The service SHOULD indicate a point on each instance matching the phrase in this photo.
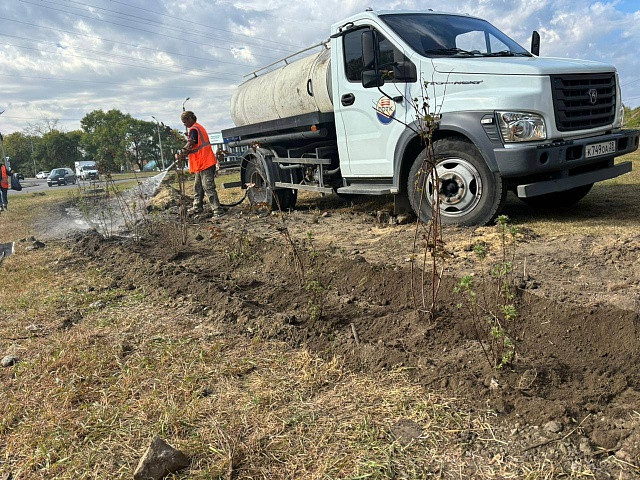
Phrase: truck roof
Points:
(372, 14)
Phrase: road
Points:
(35, 185)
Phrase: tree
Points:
(143, 145)
(18, 146)
(58, 149)
(46, 125)
(105, 138)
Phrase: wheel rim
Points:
(460, 187)
(259, 191)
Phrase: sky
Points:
(61, 59)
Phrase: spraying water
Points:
(103, 208)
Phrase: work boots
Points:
(216, 208)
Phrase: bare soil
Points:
(573, 391)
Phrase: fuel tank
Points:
(300, 87)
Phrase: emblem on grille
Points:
(593, 96)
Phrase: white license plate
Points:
(597, 149)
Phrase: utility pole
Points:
(159, 141)
(33, 158)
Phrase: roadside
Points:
(214, 345)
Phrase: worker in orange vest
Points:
(4, 186)
(202, 162)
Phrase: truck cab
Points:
(88, 172)
(501, 118)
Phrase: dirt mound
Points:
(340, 284)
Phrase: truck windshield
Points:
(438, 35)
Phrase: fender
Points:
(485, 136)
(262, 155)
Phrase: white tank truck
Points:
(343, 120)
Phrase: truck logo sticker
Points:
(593, 96)
(385, 110)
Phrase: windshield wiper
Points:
(506, 53)
(452, 51)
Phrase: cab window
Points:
(389, 56)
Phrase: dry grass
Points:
(104, 367)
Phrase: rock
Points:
(9, 361)
(585, 448)
(553, 427)
(404, 218)
(405, 431)
(98, 305)
(160, 460)
(607, 439)
(500, 405)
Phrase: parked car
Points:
(61, 176)
(43, 174)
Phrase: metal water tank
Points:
(303, 86)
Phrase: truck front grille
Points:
(583, 101)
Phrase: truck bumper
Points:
(541, 169)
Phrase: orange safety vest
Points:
(203, 157)
(4, 178)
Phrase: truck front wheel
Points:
(469, 192)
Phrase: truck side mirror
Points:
(405, 72)
(535, 43)
(369, 44)
(371, 76)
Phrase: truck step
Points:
(232, 184)
(310, 188)
(367, 189)
(303, 161)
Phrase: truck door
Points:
(367, 121)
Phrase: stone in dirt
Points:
(405, 431)
(160, 460)
(9, 361)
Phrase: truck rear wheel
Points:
(259, 182)
(470, 193)
(559, 199)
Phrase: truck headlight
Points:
(619, 123)
(521, 127)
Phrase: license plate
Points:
(597, 149)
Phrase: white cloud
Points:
(202, 48)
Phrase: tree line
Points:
(115, 141)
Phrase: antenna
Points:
(183, 109)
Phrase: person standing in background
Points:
(4, 186)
